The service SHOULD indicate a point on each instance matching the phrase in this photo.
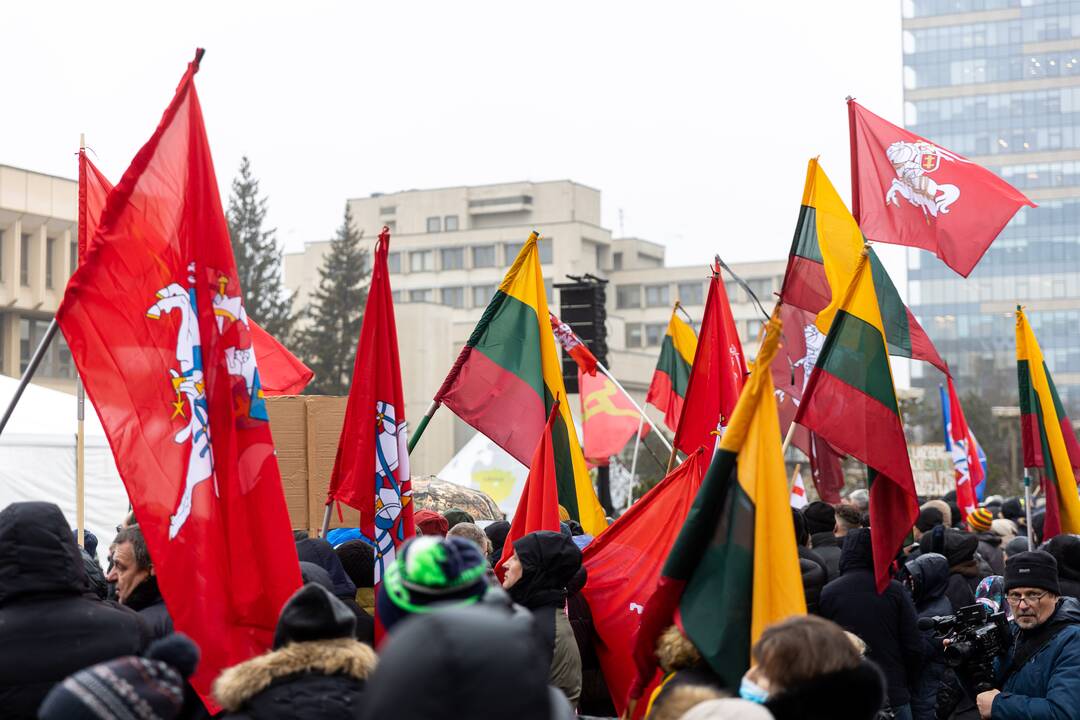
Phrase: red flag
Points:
(624, 565)
(717, 376)
(538, 508)
(280, 372)
(791, 370)
(609, 419)
(572, 344)
(908, 191)
(371, 471)
(960, 442)
(157, 328)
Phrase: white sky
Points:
(696, 119)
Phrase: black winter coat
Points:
(929, 575)
(827, 547)
(51, 625)
(854, 694)
(990, 549)
(146, 600)
(814, 577)
(885, 622)
(319, 679)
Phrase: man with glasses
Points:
(1040, 676)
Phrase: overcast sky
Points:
(695, 119)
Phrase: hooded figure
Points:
(496, 533)
(463, 662)
(812, 568)
(1066, 550)
(959, 550)
(927, 578)
(537, 575)
(319, 552)
(885, 622)
(316, 669)
(820, 520)
(51, 625)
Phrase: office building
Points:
(999, 82)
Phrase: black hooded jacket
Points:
(928, 576)
(885, 622)
(1066, 550)
(959, 550)
(51, 625)
(146, 600)
(475, 662)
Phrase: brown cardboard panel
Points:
(325, 416)
(288, 425)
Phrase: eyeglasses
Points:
(1031, 598)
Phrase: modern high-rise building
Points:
(999, 82)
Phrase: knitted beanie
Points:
(149, 688)
(1034, 569)
(313, 613)
(980, 519)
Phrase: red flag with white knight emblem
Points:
(908, 191)
(572, 344)
(157, 328)
(371, 472)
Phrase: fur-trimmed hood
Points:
(856, 694)
(342, 656)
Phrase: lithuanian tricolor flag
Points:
(734, 568)
(850, 401)
(1047, 433)
(667, 392)
(507, 377)
(823, 257)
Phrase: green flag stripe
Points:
(854, 352)
(894, 315)
(1027, 392)
(672, 364)
(805, 243)
(509, 335)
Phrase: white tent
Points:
(37, 459)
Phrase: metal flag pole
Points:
(641, 411)
(80, 402)
(28, 373)
(1027, 508)
(326, 520)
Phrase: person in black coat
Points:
(927, 577)
(318, 552)
(316, 669)
(1066, 550)
(51, 625)
(885, 622)
(365, 624)
(959, 550)
(821, 524)
(812, 567)
(136, 583)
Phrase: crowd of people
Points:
(472, 628)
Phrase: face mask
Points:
(750, 690)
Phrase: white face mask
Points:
(750, 690)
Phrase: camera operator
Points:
(1040, 675)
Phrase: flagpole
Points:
(28, 373)
(633, 462)
(788, 438)
(326, 520)
(419, 430)
(795, 474)
(80, 394)
(1027, 508)
(856, 206)
(641, 411)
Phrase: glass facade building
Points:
(999, 82)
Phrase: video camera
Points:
(976, 636)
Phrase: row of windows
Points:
(26, 248)
(980, 35)
(57, 362)
(938, 69)
(972, 144)
(689, 293)
(447, 223)
(994, 289)
(1029, 107)
(929, 8)
(1040, 175)
(639, 335)
(456, 296)
(478, 256)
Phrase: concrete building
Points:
(999, 82)
(38, 252)
(451, 247)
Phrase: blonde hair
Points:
(674, 651)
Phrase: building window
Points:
(388, 210)
(450, 223)
(511, 250)
(398, 296)
(452, 258)
(753, 329)
(393, 262)
(24, 260)
(3, 245)
(627, 296)
(654, 334)
(692, 293)
(453, 297)
(73, 254)
(657, 295)
(616, 261)
(421, 261)
(57, 360)
(483, 256)
(434, 224)
(50, 255)
(420, 295)
(633, 335)
(734, 292)
(482, 294)
(761, 287)
(546, 249)
(549, 291)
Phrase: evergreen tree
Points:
(328, 340)
(258, 257)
